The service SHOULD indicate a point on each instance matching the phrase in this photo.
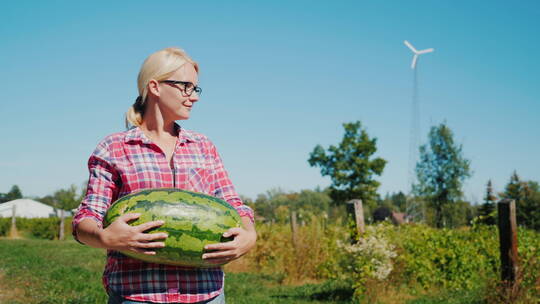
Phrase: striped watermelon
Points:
(192, 220)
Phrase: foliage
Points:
(441, 172)
(13, 194)
(395, 201)
(41, 228)
(276, 205)
(429, 266)
(310, 258)
(368, 258)
(350, 166)
(487, 212)
(527, 198)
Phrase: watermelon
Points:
(192, 220)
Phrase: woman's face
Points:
(174, 102)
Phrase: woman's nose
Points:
(194, 97)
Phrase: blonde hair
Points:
(158, 66)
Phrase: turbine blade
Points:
(413, 65)
(425, 51)
(410, 46)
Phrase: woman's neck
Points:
(156, 125)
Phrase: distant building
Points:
(29, 208)
(384, 213)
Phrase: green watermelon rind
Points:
(185, 244)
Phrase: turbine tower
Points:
(413, 208)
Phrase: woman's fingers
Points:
(232, 231)
(220, 255)
(152, 236)
(147, 252)
(129, 217)
(150, 245)
(221, 246)
(149, 225)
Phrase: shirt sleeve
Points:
(223, 188)
(102, 189)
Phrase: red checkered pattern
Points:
(128, 162)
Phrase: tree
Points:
(527, 198)
(395, 201)
(440, 172)
(487, 211)
(350, 166)
(276, 205)
(65, 199)
(13, 194)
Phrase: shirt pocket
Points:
(193, 174)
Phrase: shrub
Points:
(41, 228)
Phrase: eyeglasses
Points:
(186, 86)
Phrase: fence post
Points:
(294, 229)
(13, 231)
(358, 215)
(61, 232)
(508, 239)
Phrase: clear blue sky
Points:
(279, 77)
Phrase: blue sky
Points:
(278, 78)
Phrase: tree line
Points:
(66, 199)
(435, 198)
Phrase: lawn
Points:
(42, 271)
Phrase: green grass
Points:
(42, 271)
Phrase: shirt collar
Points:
(136, 134)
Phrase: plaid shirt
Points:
(128, 162)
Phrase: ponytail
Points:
(134, 115)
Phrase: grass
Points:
(42, 271)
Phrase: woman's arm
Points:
(101, 191)
(120, 235)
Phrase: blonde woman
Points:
(158, 153)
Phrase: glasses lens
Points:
(188, 87)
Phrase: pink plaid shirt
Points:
(128, 162)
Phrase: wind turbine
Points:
(413, 207)
(416, 53)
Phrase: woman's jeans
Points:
(115, 299)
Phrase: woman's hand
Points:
(244, 240)
(121, 236)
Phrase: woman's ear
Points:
(153, 87)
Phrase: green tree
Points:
(527, 198)
(395, 201)
(458, 214)
(276, 205)
(65, 199)
(350, 166)
(532, 202)
(487, 211)
(13, 194)
(440, 172)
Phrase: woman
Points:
(158, 153)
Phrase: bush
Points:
(41, 228)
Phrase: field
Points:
(43, 271)
(413, 264)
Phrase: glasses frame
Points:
(185, 85)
